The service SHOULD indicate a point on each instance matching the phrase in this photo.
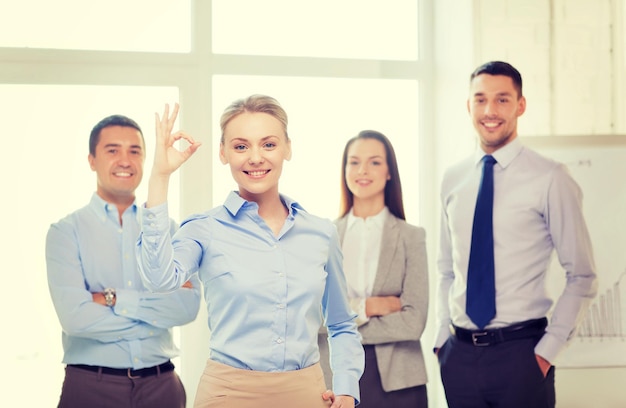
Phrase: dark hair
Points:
(113, 120)
(500, 68)
(393, 188)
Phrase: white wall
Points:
(564, 49)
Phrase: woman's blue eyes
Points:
(355, 163)
(265, 146)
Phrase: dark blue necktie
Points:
(481, 288)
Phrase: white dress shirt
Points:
(361, 250)
(537, 209)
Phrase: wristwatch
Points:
(109, 296)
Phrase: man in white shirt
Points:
(504, 360)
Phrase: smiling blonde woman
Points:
(272, 273)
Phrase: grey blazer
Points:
(402, 271)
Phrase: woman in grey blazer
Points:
(387, 274)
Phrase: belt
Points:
(128, 372)
(482, 338)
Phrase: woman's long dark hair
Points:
(393, 188)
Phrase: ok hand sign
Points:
(167, 158)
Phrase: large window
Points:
(368, 29)
(338, 67)
(119, 25)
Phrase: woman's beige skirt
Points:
(225, 386)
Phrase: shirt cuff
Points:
(358, 306)
(126, 303)
(442, 336)
(549, 347)
(155, 219)
(347, 386)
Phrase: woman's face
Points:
(366, 169)
(255, 146)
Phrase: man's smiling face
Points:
(118, 163)
(494, 106)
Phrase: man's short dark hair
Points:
(113, 120)
(500, 68)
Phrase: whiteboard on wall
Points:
(598, 164)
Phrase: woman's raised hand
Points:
(167, 158)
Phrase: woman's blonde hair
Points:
(253, 104)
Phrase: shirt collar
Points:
(102, 208)
(504, 155)
(234, 203)
(377, 220)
